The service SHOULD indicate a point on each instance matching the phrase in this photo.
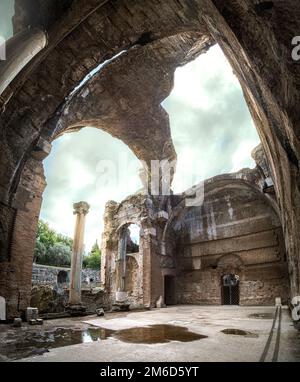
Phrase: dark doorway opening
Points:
(230, 290)
(170, 298)
(62, 277)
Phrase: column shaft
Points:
(80, 209)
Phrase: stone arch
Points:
(62, 277)
(79, 40)
(127, 222)
(124, 255)
(212, 186)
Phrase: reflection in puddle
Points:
(239, 332)
(22, 344)
(30, 343)
(155, 334)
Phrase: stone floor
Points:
(253, 326)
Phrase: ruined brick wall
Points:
(49, 299)
(17, 268)
(235, 231)
(117, 216)
(144, 280)
(50, 289)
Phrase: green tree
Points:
(45, 234)
(93, 259)
(52, 248)
(39, 252)
(59, 255)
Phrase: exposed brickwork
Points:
(235, 231)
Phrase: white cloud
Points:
(73, 173)
(212, 129)
(6, 13)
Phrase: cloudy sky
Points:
(211, 128)
(6, 13)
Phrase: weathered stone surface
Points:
(59, 277)
(31, 314)
(33, 321)
(235, 230)
(137, 209)
(17, 323)
(47, 300)
(100, 312)
(257, 43)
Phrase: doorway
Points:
(169, 284)
(230, 290)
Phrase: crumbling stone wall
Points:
(235, 231)
(144, 273)
(132, 210)
(16, 269)
(51, 300)
(44, 274)
(50, 289)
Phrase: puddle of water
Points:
(155, 334)
(266, 316)
(23, 344)
(239, 332)
(31, 343)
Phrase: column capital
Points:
(81, 208)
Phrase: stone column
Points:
(80, 209)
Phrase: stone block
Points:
(76, 310)
(100, 312)
(121, 296)
(17, 323)
(31, 314)
(33, 321)
(120, 307)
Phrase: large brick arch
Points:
(255, 39)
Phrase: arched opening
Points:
(62, 277)
(77, 170)
(133, 239)
(230, 289)
(87, 165)
(128, 245)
